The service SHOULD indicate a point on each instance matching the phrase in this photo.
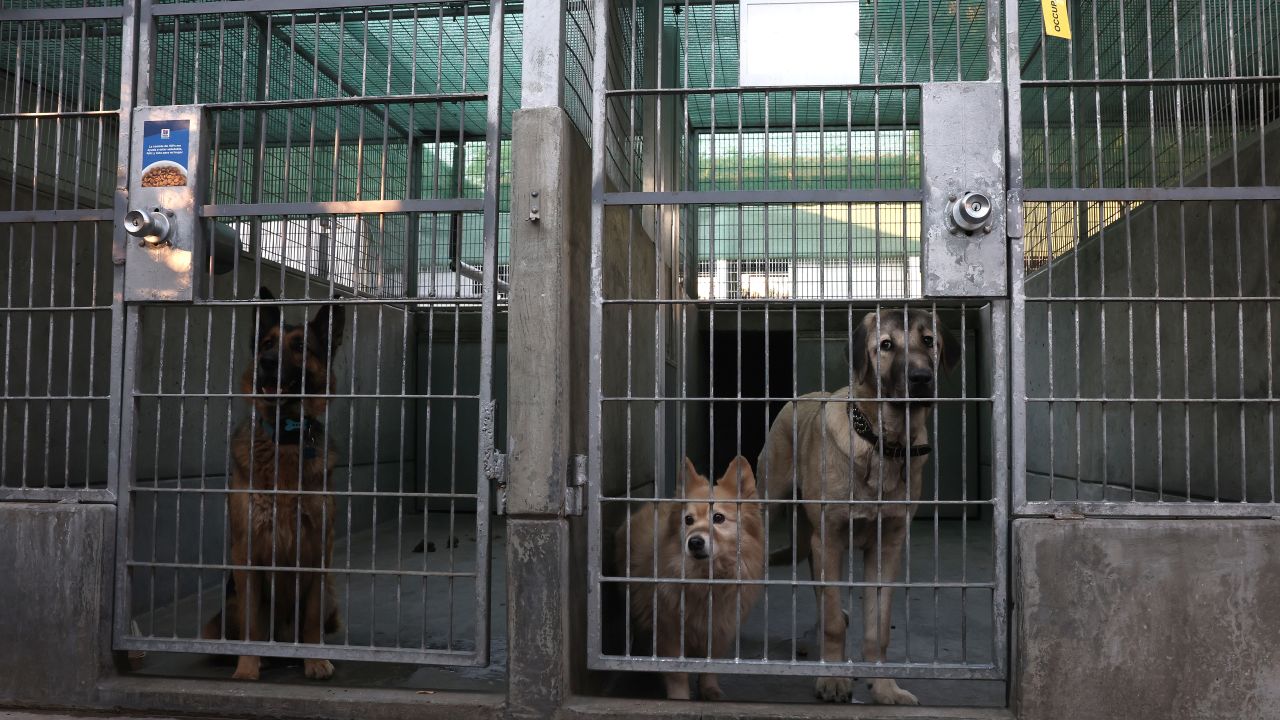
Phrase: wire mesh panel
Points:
(61, 116)
(1147, 276)
(308, 442)
(768, 240)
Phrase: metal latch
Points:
(495, 470)
(495, 463)
(575, 492)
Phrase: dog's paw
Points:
(247, 668)
(834, 689)
(318, 669)
(887, 692)
(710, 691)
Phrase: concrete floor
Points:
(959, 628)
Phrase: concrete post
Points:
(55, 629)
(547, 341)
(548, 376)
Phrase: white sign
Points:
(799, 42)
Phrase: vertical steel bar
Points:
(595, 461)
(493, 185)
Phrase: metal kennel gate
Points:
(748, 229)
(346, 157)
(1143, 273)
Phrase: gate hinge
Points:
(495, 463)
(575, 493)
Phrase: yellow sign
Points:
(1056, 23)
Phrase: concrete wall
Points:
(1223, 350)
(1146, 619)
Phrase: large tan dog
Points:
(712, 535)
(283, 446)
(847, 452)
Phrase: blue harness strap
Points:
(293, 432)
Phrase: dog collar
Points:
(862, 426)
(294, 432)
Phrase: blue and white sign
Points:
(166, 152)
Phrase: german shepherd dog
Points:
(283, 446)
(861, 450)
(717, 533)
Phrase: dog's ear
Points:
(951, 349)
(268, 315)
(739, 477)
(690, 479)
(859, 362)
(328, 327)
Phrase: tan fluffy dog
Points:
(712, 535)
(859, 451)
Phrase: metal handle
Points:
(152, 227)
(971, 212)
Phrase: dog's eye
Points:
(886, 345)
(717, 518)
(297, 345)
(928, 341)
(688, 519)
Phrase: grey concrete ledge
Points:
(581, 708)
(212, 697)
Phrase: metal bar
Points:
(457, 658)
(762, 197)
(143, 489)
(825, 582)
(36, 115)
(761, 89)
(1224, 299)
(1094, 82)
(344, 207)
(805, 668)
(747, 398)
(308, 103)
(57, 216)
(72, 14)
(475, 273)
(595, 445)
(485, 429)
(1215, 401)
(378, 572)
(238, 7)
(1136, 194)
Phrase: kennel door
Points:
(749, 230)
(319, 326)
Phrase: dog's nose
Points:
(920, 376)
(697, 545)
